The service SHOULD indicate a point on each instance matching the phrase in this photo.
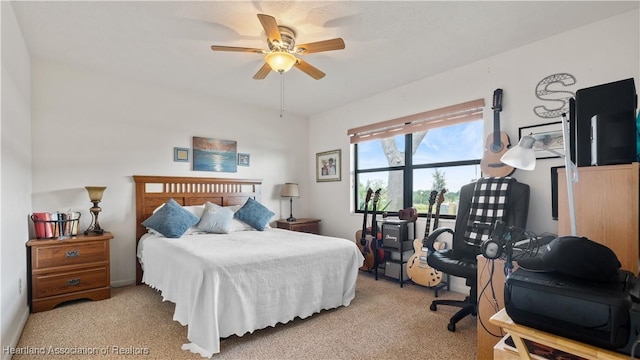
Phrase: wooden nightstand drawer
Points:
(302, 225)
(69, 282)
(69, 254)
(69, 269)
(308, 228)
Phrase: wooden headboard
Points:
(152, 191)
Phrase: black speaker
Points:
(613, 104)
(613, 138)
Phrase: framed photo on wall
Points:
(328, 166)
(548, 136)
(244, 159)
(180, 154)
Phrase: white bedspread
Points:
(248, 280)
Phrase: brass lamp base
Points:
(94, 228)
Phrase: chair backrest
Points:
(517, 213)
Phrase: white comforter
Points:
(243, 281)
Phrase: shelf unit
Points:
(397, 243)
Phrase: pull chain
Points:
(282, 94)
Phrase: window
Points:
(408, 166)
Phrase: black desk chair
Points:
(460, 259)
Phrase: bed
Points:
(241, 281)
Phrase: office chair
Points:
(460, 259)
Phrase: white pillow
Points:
(215, 219)
(239, 225)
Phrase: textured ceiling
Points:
(388, 43)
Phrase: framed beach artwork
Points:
(328, 166)
(214, 155)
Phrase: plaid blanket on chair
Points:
(487, 205)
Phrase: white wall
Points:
(90, 128)
(15, 177)
(598, 53)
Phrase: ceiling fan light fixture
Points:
(280, 61)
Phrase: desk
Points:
(520, 332)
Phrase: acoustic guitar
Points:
(364, 238)
(497, 144)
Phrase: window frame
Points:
(407, 170)
(408, 125)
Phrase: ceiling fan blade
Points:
(235, 48)
(325, 45)
(308, 69)
(263, 72)
(270, 28)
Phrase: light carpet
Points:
(384, 321)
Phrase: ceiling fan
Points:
(282, 52)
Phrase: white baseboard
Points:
(15, 333)
(121, 283)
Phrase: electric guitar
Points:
(376, 237)
(436, 276)
(417, 268)
(364, 238)
(497, 144)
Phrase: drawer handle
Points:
(73, 282)
(73, 253)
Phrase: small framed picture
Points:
(180, 154)
(243, 159)
(328, 166)
(548, 137)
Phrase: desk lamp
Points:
(522, 156)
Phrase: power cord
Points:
(493, 300)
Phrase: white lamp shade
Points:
(280, 61)
(522, 155)
(290, 190)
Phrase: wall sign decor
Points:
(243, 159)
(181, 154)
(328, 166)
(548, 136)
(557, 100)
(214, 155)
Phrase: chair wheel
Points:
(451, 327)
(433, 307)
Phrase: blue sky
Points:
(452, 143)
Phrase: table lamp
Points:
(290, 190)
(95, 195)
(522, 156)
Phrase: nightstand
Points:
(303, 225)
(68, 269)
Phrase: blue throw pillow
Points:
(254, 214)
(215, 219)
(171, 220)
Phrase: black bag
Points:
(595, 313)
